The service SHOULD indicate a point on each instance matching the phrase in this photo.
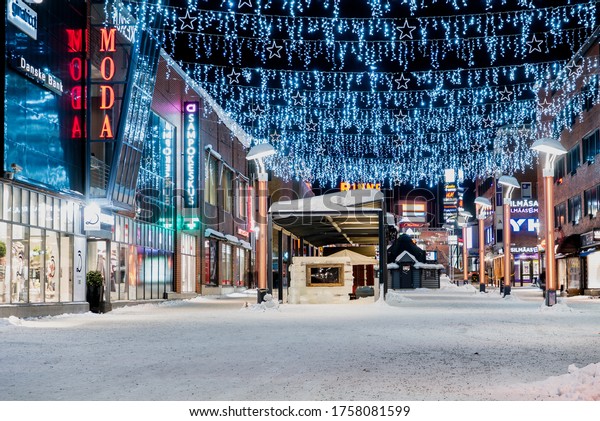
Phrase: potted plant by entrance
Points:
(93, 281)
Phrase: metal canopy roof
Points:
(350, 217)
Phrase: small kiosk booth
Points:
(348, 218)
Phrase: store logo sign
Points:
(191, 127)
(23, 17)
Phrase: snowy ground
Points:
(449, 344)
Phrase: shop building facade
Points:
(115, 161)
(577, 176)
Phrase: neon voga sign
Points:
(77, 73)
(191, 118)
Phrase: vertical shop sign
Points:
(191, 127)
(167, 158)
(77, 73)
(107, 72)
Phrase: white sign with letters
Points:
(22, 16)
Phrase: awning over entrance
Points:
(569, 245)
(349, 217)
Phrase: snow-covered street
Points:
(449, 344)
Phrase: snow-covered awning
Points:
(232, 239)
(245, 245)
(348, 217)
(215, 234)
(428, 266)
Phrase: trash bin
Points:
(260, 294)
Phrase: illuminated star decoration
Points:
(402, 82)
(298, 99)
(573, 69)
(233, 76)
(537, 42)
(545, 105)
(487, 122)
(400, 116)
(272, 52)
(243, 3)
(187, 21)
(505, 94)
(406, 27)
(257, 111)
(311, 126)
(275, 137)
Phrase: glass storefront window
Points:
(4, 263)
(7, 203)
(33, 214)
(65, 272)
(16, 205)
(52, 257)
(19, 282)
(41, 220)
(25, 206)
(226, 264)
(36, 265)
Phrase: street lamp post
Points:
(552, 148)
(465, 216)
(257, 154)
(482, 204)
(450, 230)
(510, 184)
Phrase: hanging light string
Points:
(438, 109)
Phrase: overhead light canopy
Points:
(465, 214)
(484, 202)
(508, 181)
(259, 151)
(549, 145)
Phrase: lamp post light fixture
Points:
(482, 204)
(257, 154)
(465, 216)
(553, 149)
(510, 184)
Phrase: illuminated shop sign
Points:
(167, 158)
(23, 17)
(40, 75)
(525, 224)
(344, 186)
(77, 73)
(523, 249)
(119, 18)
(524, 206)
(191, 127)
(107, 72)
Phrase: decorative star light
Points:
(311, 126)
(187, 21)
(573, 69)
(298, 99)
(257, 111)
(487, 123)
(233, 76)
(470, 72)
(400, 116)
(402, 82)
(272, 52)
(536, 47)
(505, 95)
(275, 137)
(406, 27)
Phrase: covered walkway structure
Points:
(349, 218)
